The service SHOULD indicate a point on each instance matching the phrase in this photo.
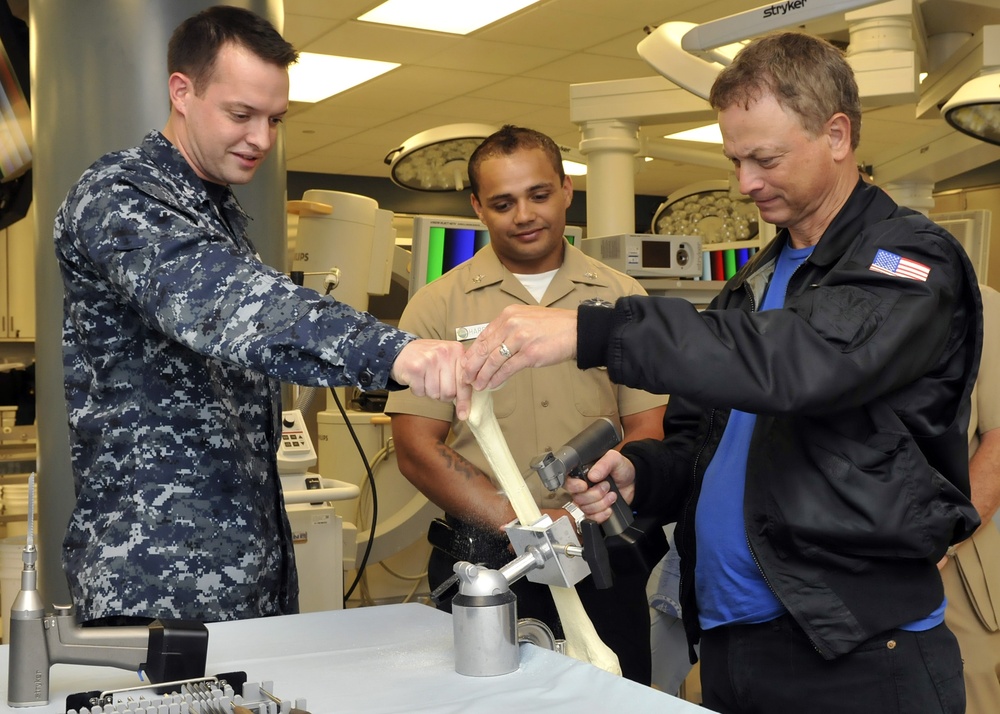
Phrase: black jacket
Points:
(857, 477)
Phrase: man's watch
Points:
(575, 512)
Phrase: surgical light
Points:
(691, 56)
(437, 159)
(975, 108)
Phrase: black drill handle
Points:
(621, 513)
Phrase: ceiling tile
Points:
(558, 25)
(584, 67)
(623, 46)
(484, 56)
(413, 81)
(383, 42)
(489, 111)
(303, 137)
(301, 30)
(343, 114)
(330, 9)
(526, 89)
(653, 11)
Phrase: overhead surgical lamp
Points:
(437, 159)
(975, 108)
(691, 56)
(663, 50)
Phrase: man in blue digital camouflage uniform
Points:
(176, 339)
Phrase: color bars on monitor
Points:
(723, 264)
(448, 247)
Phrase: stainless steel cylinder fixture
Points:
(484, 616)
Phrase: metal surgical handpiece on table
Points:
(165, 650)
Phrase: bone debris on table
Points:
(582, 640)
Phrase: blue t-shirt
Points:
(729, 584)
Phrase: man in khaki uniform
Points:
(971, 570)
(521, 194)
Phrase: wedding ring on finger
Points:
(504, 351)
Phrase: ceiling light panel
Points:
(457, 17)
(710, 134)
(315, 77)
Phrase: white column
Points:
(610, 146)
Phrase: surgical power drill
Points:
(575, 459)
(643, 546)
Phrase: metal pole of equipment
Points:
(115, 94)
(610, 147)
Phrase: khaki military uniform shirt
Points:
(986, 395)
(538, 409)
(971, 575)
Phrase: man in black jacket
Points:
(815, 457)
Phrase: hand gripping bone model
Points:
(484, 611)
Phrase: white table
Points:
(389, 658)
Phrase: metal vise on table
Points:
(485, 610)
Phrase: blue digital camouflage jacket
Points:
(175, 341)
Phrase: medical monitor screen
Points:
(450, 243)
(15, 119)
(15, 126)
(441, 243)
(656, 254)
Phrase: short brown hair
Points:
(806, 75)
(505, 142)
(195, 43)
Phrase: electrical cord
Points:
(331, 281)
(359, 520)
(366, 596)
(371, 481)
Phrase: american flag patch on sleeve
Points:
(892, 264)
